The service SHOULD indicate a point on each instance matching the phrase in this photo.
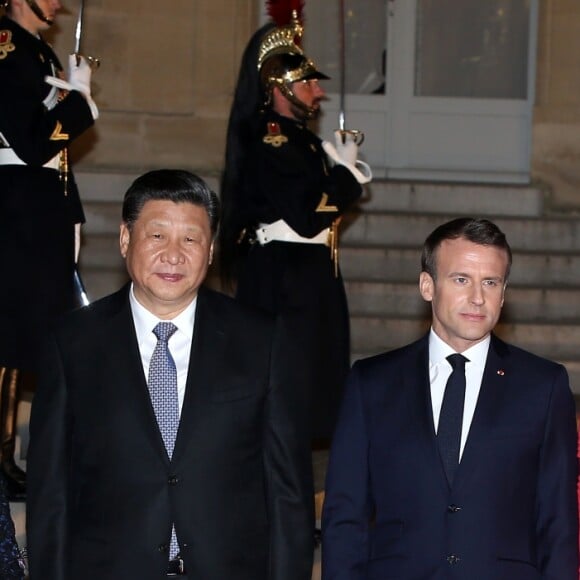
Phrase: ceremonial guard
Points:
(283, 198)
(42, 111)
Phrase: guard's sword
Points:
(94, 62)
(342, 59)
(80, 291)
(356, 136)
(79, 28)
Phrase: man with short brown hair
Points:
(455, 456)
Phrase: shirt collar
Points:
(439, 350)
(146, 321)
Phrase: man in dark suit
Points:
(464, 474)
(153, 456)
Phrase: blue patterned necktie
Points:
(162, 385)
(451, 416)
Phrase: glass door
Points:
(443, 89)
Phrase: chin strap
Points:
(309, 112)
(38, 12)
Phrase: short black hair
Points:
(476, 230)
(176, 185)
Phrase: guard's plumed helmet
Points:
(281, 60)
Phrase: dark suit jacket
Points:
(511, 513)
(103, 493)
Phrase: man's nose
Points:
(318, 91)
(477, 294)
(173, 254)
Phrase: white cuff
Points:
(364, 176)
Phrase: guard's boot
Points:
(9, 395)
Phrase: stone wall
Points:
(167, 78)
(165, 83)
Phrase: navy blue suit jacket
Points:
(511, 513)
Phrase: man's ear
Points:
(124, 238)
(426, 286)
(211, 253)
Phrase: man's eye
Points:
(490, 283)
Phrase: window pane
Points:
(365, 43)
(472, 48)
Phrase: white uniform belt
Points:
(280, 231)
(9, 157)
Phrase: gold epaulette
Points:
(274, 136)
(6, 44)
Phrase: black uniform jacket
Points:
(37, 212)
(288, 176)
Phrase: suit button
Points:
(173, 480)
(453, 508)
(163, 548)
(453, 559)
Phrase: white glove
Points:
(79, 80)
(362, 175)
(346, 146)
(79, 75)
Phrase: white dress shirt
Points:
(179, 343)
(439, 371)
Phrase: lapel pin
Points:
(501, 372)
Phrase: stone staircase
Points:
(380, 260)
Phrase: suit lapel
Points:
(493, 385)
(418, 385)
(126, 370)
(207, 354)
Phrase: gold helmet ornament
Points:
(281, 60)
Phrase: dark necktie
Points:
(451, 416)
(162, 385)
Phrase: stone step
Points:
(102, 281)
(453, 199)
(111, 187)
(542, 269)
(102, 218)
(410, 230)
(380, 195)
(522, 304)
(555, 341)
(573, 368)
(100, 251)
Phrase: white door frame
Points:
(439, 139)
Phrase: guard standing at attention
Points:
(284, 192)
(42, 110)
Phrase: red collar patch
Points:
(6, 44)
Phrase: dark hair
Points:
(478, 231)
(175, 185)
